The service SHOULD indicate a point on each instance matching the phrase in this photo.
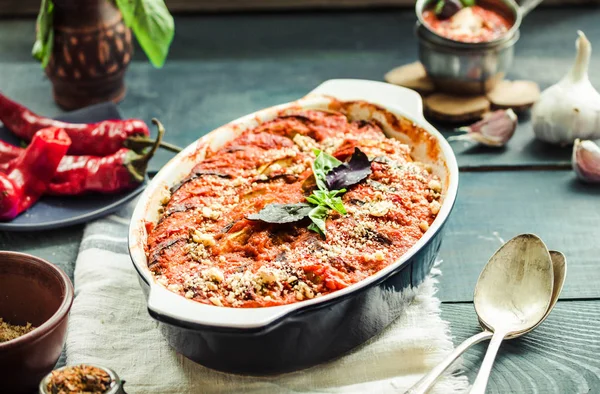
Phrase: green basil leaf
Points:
(44, 33)
(337, 204)
(314, 200)
(439, 7)
(152, 25)
(318, 215)
(468, 3)
(328, 198)
(282, 213)
(323, 163)
(316, 229)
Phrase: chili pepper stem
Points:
(138, 165)
(139, 142)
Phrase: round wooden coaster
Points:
(447, 108)
(518, 95)
(412, 76)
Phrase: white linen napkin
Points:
(110, 326)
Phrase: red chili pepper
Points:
(32, 172)
(96, 139)
(120, 171)
(8, 152)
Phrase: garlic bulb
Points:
(571, 108)
(586, 161)
(495, 129)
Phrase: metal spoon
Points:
(512, 295)
(559, 267)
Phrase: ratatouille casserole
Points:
(297, 207)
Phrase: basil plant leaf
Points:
(349, 174)
(323, 164)
(152, 25)
(318, 215)
(44, 33)
(282, 213)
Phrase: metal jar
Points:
(468, 68)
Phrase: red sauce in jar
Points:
(471, 24)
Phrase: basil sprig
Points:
(328, 171)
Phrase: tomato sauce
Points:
(471, 24)
(205, 249)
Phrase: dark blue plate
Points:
(55, 212)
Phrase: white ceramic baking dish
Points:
(197, 330)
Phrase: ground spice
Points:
(79, 379)
(10, 331)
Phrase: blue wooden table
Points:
(225, 66)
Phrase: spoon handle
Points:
(486, 366)
(428, 380)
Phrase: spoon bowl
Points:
(559, 268)
(514, 289)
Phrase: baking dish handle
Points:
(387, 95)
(171, 308)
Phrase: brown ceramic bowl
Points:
(36, 291)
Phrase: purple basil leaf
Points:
(349, 174)
(445, 9)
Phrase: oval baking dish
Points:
(298, 335)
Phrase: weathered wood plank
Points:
(560, 356)
(57, 246)
(225, 66)
(491, 207)
(523, 149)
(496, 206)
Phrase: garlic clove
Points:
(586, 161)
(495, 129)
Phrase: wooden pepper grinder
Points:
(92, 49)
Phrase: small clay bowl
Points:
(35, 291)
